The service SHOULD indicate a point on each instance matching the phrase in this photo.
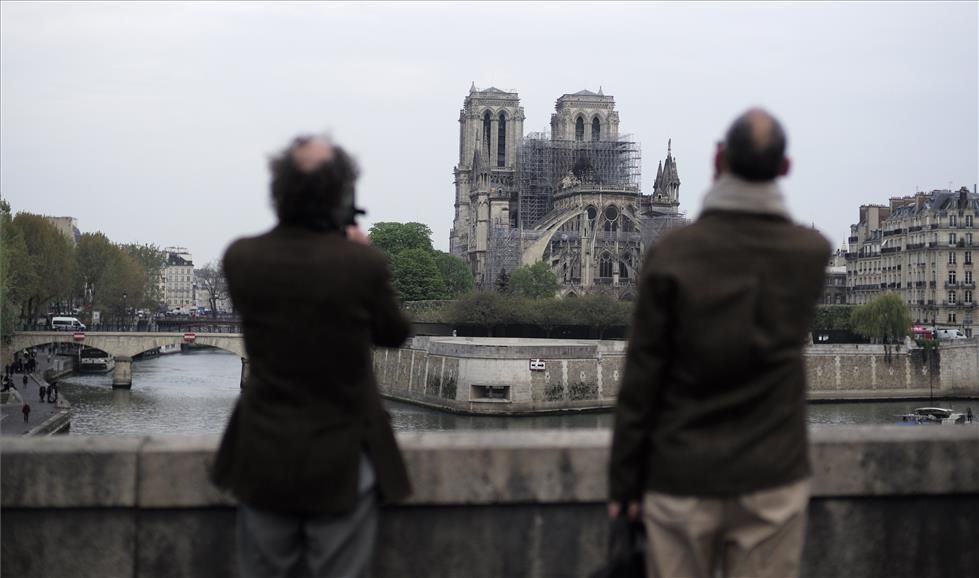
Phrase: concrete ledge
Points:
(471, 467)
(69, 472)
(888, 501)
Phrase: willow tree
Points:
(885, 319)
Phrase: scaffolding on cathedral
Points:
(542, 165)
(653, 227)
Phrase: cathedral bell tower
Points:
(490, 130)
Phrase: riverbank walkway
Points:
(11, 409)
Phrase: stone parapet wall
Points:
(448, 372)
(888, 501)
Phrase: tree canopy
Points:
(420, 272)
(43, 271)
(455, 274)
(535, 281)
(393, 238)
(416, 276)
(885, 318)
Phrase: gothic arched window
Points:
(501, 143)
(605, 266)
(487, 127)
(623, 270)
(579, 129)
(596, 129)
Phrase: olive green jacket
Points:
(713, 395)
(312, 306)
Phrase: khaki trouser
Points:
(757, 535)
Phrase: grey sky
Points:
(153, 122)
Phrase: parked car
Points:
(67, 324)
(950, 334)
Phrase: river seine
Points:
(193, 393)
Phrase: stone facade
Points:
(493, 375)
(571, 199)
(923, 247)
(177, 280)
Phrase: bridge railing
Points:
(169, 325)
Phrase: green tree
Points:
(152, 259)
(396, 237)
(486, 308)
(503, 282)
(600, 311)
(93, 256)
(885, 319)
(50, 256)
(17, 277)
(547, 313)
(833, 317)
(416, 276)
(456, 276)
(535, 281)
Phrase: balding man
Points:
(710, 443)
(309, 449)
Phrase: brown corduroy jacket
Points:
(312, 306)
(712, 401)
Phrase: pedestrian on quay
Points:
(309, 454)
(43, 391)
(24, 381)
(53, 392)
(26, 410)
(710, 442)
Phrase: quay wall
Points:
(461, 373)
(887, 501)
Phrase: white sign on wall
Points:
(537, 365)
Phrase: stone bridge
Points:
(124, 345)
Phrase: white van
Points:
(67, 324)
(944, 334)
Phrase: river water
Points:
(194, 392)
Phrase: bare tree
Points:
(211, 280)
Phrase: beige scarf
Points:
(730, 193)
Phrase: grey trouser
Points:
(757, 535)
(273, 545)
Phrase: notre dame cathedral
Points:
(571, 199)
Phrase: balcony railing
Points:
(913, 246)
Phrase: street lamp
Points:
(125, 309)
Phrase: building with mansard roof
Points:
(924, 248)
(571, 198)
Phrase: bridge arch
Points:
(124, 345)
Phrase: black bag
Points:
(626, 550)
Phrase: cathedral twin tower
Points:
(571, 199)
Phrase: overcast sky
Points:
(153, 122)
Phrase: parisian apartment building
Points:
(177, 279)
(922, 247)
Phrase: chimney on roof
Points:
(963, 198)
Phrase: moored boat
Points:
(936, 415)
(92, 360)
